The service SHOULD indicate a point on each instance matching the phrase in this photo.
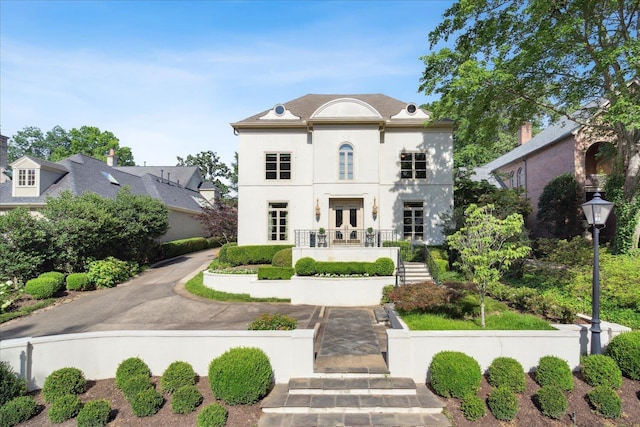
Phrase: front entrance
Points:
(346, 218)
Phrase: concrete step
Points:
(416, 272)
(352, 401)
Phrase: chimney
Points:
(524, 133)
(3, 158)
(112, 159)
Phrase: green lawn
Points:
(506, 320)
(196, 287)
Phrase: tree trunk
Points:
(482, 313)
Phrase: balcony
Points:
(343, 237)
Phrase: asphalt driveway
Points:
(155, 299)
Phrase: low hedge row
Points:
(310, 267)
(176, 248)
(249, 254)
(275, 273)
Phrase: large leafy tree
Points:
(486, 247)
(57, 144)
(212, 169)
(541, 59)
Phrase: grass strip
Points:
(506, 321)
(23, 311)
(196, 287)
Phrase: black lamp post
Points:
(596, 211)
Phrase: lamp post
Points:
(596, 211)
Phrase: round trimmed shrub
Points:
(598, 369)
(214, 415)
(384, 267)
(64, 381)
(273, 322)
(11, 385)
(283, 258)
(178, 374)
(472, 407)
(135, 384)
(78, 282)
(241, 375)
(17, 410)
(146, 403)
(507, 372)
(64, 408)
(130, 367)
(42, 287)
(625, 350)
(54, 275)
(503, 403)
(605, 401)
(454, 374)
(185, 399)
(551, 401)
(554, 371)
(94, 413)
(306, 267)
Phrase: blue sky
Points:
(167, 77)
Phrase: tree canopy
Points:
(212, 169)
(514, 61)
(58, 144)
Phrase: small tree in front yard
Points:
(486, 248)
(221, 220)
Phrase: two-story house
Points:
(360, 168)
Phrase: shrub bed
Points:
(273, 322)
(186, 399)
(11, 385)
(507, 372)
(472, 407)
(134, 384)
(554, 371)
(214, 415)
(598, 369)
(275, 273)
(241, 375)
(64, 381)
(551, 401)
(310, 267)
(454, 374)
(64, 408)
(625, 350)
(130, 367)
(178, 374)
(17, 410)
(94, 413)
(42, 287)
(146, 402)
(79, 282)
(503, 403)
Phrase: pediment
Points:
(346, 108)
(25, 163)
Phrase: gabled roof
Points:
(86, 174)
(46, 164)
(186, 176)
(302, 109)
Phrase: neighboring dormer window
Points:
(26, 177)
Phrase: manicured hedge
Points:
(250, 254)
(241, 375)
(176, 248)
(79, 282)
(454, 374)
(275, 273)
(625, 350)
(62, 382)
(43, 287)
(309, 267)
(283, 258)
(553, 370)
(94, 413)
(129, 368)
(598, 369)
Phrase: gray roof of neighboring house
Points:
(177, 174)
(45, 163)
(86, 174)
(306, 105)
(552, 134)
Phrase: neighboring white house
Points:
(344, 163)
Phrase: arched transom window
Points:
(346, 162)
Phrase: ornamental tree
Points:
(485, 246)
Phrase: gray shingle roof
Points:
(177, 174)
(86, 174)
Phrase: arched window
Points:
(346, 162)
(520, 178)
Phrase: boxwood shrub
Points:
(17, 410)
(176, 375)
(94, 413)
(605, 401)
(241, 375)
(283, 258)
(64, 408)
(454, 374)
(305, 267)
(309, 267)
(551, 401)
(42, 287)
(507, 372)
(472, 407)
(598, 369)
(146, 403)
(134, 384)
(503, 403)
(625, 350)
(222, 253)
(79, 282)
(11, 385)
(251, 254)
(186, 399)
(176, 248)
(62, 382)
(554, 371)
(130, 367)
(275, 273)
(54, 275)
(273, 322)
(214, 415)
(384, 267)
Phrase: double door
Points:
(346, 217)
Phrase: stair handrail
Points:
(401, 274)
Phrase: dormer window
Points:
(26, 177)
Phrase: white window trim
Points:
(278, 165)
(269, 210)
(24, 178)
(413, 164)
(342, 152)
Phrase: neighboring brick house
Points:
(176, 186)
(344, 163)
(563, 147)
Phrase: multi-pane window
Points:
(520, 178)
(413, 165)
(26, 177)
(278, 165)
(278, 221)
(346, 162)
(413, 220)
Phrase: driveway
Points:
(155, 299)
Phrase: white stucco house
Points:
(343, 163)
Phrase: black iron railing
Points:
(401, 273)
(343, 237)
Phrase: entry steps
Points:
(415, 272)
(379, 401)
